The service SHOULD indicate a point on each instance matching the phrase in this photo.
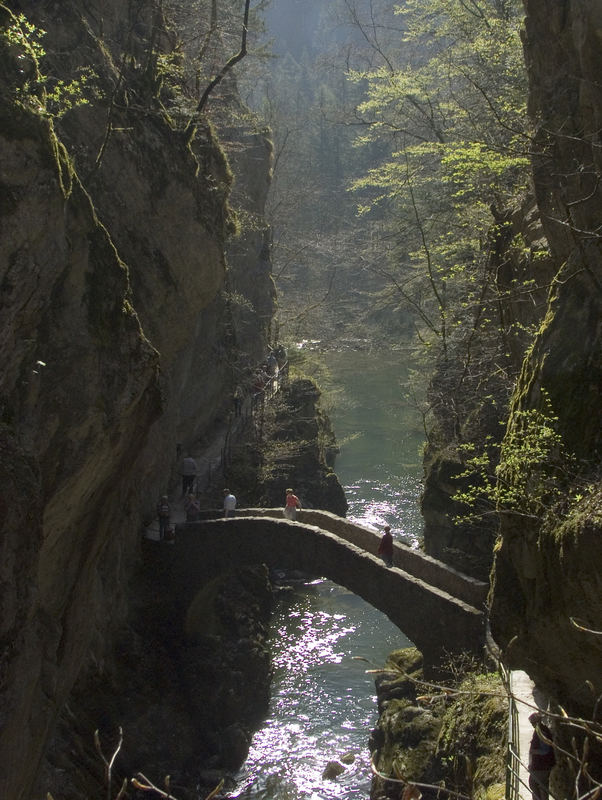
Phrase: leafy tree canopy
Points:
(449, 102)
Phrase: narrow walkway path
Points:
(526, 699)
(521, 688)
(177, 516)
(212, 458)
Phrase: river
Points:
(379, 433)
(324, 638)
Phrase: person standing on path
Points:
(229, 503)
(188, 472)
(163, 515)
(237, 400)
(385, 548)
(541, 758)
(192, 508)
(291, 505)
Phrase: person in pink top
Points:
(291, 505)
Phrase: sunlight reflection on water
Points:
(393, 502)
(323, 702)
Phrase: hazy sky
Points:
(293, 24)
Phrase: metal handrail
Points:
(513, 761)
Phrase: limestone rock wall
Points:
(546, 613)
(79, 395)
(298, 450)
(114, 314)
(252, 290)
(546, 575)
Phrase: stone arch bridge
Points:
(438, 608)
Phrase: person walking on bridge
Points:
(291, 505)
(385, 548)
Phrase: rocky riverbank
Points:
(451, 735)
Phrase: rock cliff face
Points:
(299, 451)
(116, 306)
(186, 694)
(546, 609)
(456, 741)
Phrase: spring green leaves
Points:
(528, 480)
(32, 85)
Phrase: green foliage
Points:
(63, 96)
(35, 89)
(526, 482)
(451, 106)
(25, 36)
(474, 169)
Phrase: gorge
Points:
(138, 291)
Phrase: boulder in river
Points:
(332, 770)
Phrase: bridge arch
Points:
(438, 623)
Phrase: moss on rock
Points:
(453, 736)
(472, 739)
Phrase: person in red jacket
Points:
(385, 548)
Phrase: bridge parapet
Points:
(437, 622)
(426, 568)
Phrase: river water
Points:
(324, 638)
(380, 436)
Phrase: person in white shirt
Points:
(229, 503)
